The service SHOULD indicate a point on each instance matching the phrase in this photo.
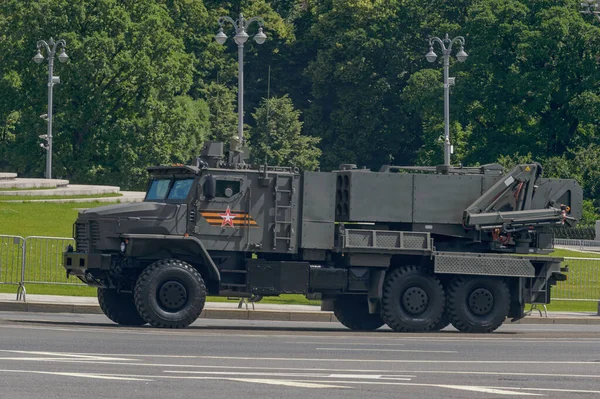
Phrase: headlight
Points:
(123, 246)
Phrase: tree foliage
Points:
(123, 103)
(277, 138)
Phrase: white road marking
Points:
(493, 373)
(313, 384)
(473, 388)
(343, 343)
(382, 350)
(443, 340)
(291, 359)
(365, 376)
(70, 355)
(499, 373)
(287, 383)
(80, 375)
(487, 390)
(562, 390)
(312, 375)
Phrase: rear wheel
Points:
(353, 312)
(412, 301)
(119, 307)
(170, 294)
(478, 304)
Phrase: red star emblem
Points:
(227, 218)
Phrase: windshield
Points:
(180, 189)
(169, 189)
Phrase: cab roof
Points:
(173, 170)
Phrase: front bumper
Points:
(80, 264)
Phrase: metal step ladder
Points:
(283, 199)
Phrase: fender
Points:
(212, 268)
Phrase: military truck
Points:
(416, 248)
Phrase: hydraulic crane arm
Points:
(507, 204)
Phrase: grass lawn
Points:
(56, 220)
(565, 253)
(571, 306)
(45, 197)
(40, 218)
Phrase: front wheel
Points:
(170, 294)
(353, 312)
(478, 304)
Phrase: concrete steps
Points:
(68, 190)
(7, 176)
(9, 183)
(11, 186)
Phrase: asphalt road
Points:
(86, 356)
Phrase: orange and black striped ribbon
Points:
(214, 218)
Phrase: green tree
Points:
(277, 138)
(366, 53)
(223, 118)
(532, 68)
(124, 101)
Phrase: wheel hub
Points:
(481, 301)
(172, 295)
(415, 300)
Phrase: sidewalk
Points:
(229, 310)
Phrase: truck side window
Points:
(227, 188)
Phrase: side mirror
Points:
(210, 187)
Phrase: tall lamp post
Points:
(51, 47)
(446, 45)
(591, 7)
(241, 26)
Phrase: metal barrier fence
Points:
(589, 245)
(38, 260)
(583, 281)
(12, 254)
(44, 261)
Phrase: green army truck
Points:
(416, 248)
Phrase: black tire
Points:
(412, 300)
(478, 304)
(170, 294)
(353, 312)
(119, 307)
(442, 323)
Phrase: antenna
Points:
(268, 98)
(217, 106)
(269, 83)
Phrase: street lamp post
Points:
(591, 7)
(51, 47)
(446, 45)
(241, 26)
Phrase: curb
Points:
(230, 314)
(243, 314)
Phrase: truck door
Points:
(222, 212)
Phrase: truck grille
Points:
(87, 235)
